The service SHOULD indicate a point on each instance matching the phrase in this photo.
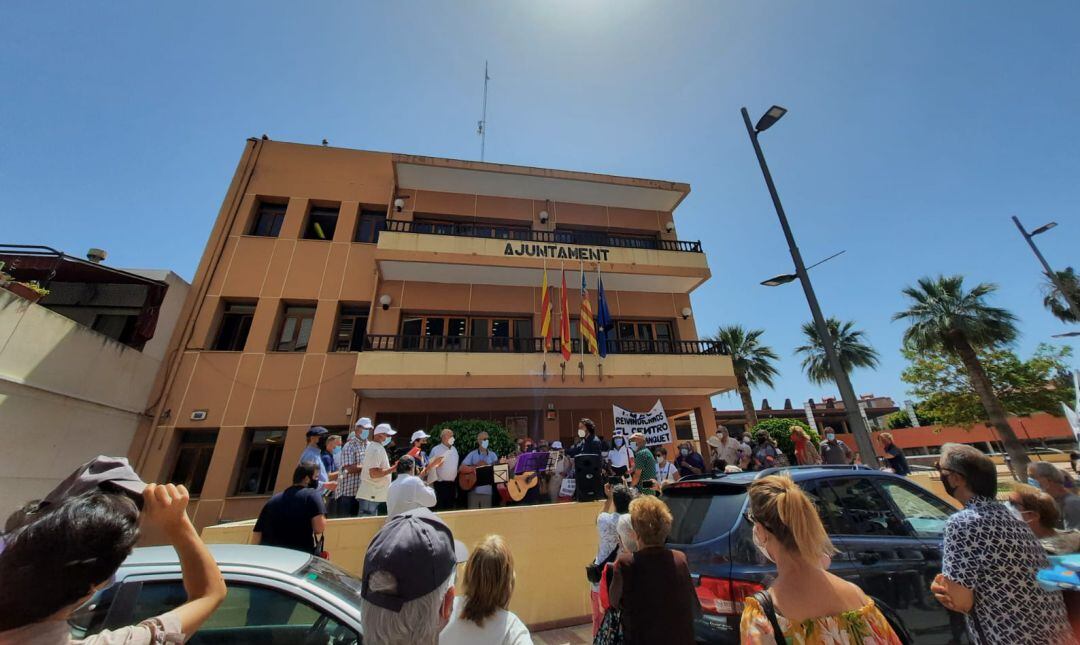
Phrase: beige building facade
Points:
(342, 283)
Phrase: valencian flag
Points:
(604, 324)
(564, 320)
(586, 323)
(545, 315)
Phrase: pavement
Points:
(577, 635)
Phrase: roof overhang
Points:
(501, 180)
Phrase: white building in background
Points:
(78, 368)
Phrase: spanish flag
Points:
(546, 326)
(586, 322)
(564, 321)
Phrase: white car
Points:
(276, 596)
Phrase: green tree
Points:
(780, 431)
(940, 380)
(900, 418)
(465, 431)
(944, 317)
(1058, 302)
(851, 348)
(753, 363)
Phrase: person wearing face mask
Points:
(1039, 511)
(480, 496)
(990, 560)
(1052, 481)
(588, 443)
(443, 477)
(689, 461)
(726, 449)
(352, 459)
(620, 456)
(316, 441)
(644, 477)
(295, 517)
(665, 470)
(805, 601)
(833, 451)
(377, 469)
(330, 447)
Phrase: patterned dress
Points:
(865, 626)
(997, 556)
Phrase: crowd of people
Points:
(415, 590)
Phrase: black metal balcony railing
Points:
(550, 237)
(403, 343)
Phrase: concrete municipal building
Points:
(344, 283)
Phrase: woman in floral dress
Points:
(811, 605)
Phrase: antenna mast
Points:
(481, 125)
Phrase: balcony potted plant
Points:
(29, 290)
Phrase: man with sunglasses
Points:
(990, 560)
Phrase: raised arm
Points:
(165, 506)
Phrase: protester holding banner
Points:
(620, 456)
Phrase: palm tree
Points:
(851, 348)
(1058, 302)
(943, 316)
(753, 363)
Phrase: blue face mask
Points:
(1034, 482)
(337, 451)
(387, 441)
(830, 437)
(484, 444)
(365, 433)
(619, 442)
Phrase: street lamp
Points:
(847, 394)
(1046, 266)
(785, 278)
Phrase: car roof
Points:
(247, 555)
(798, 473)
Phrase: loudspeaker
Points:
(590, 485)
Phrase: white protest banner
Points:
(653, 424)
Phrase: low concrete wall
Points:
(551, 545)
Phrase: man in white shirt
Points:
(444, 478)
(408, 491)
(620, 456)
(730, 450)
(375, 478)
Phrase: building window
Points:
(370, 223)
(351, 329)
(321, 223)
(268, 219)
(193, 459)
(295, 329)
(459, 333)
(119, 327)
(235, 325)
(645, 337)
(262, 456)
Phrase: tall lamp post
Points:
(847, 394)
(1074, 307)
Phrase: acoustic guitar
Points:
(467, 477)
(517, 487)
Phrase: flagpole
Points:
(543, 315)
(581, 335)
(599, 355)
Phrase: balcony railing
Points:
(583, 238)
(502, 344)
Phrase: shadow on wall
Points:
(67, 394)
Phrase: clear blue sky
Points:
(915, 130)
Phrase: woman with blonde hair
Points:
(651, 587)
(805, 603)
(806, 453)
(1040, 512)
(480, 616)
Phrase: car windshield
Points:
(333, 579)
(702, 514)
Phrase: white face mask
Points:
(581, 433)
(1015, 512)
(450, 442)
(760, 545)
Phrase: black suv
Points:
(887, 529)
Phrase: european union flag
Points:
(604, 323)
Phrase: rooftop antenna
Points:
(481, 125)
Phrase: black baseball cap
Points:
(418, 550)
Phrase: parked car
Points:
(275, 596)
(888, 531)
